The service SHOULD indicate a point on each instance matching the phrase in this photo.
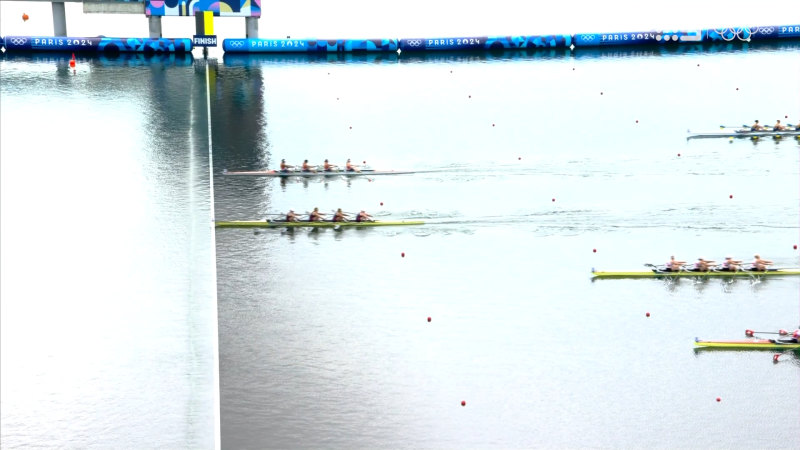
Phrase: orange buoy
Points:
(24, 17)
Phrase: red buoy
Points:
(554, 199)
(795, 246)
(719, 399)
(647, 314)
(463, 403)
(519, 158)
(730, 196)
(429, 319)
(775, 357)
(637, 120)
(403, 254)
(594, 250)
(381, 203)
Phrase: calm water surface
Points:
(528, 163)
(108, 300)
(536, 161)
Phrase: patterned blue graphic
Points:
(308, 45)
(485, 42)
(97, 44)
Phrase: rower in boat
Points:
(307, 167)
(328, 167)
(350, 167)
(285, 167)
(730, 265)
(756, 127)
(339, 216)
(778, 126)
(362, 216)
(292, 217)
(315, 216)
(759, 264)
(703, 265)
(673, 265)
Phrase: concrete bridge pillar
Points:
(251, 27)
(59, 19)
(155, 27)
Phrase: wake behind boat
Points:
(316, 173)
(319, 224)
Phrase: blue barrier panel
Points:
(752, 33)
(308, 45)
(638, 38)
(727, 34)
(97, 44)
(485, 42)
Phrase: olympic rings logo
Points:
(414, 42)
(587, 37)
(730, 34)
(18, 41)
(236, 44)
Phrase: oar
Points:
(780, 332)
(734, 126)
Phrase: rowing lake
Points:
(534, 169)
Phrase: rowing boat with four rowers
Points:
(755, 130)
(317, 224)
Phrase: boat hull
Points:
(279, 174)
(325, 224)
(651, 274)
(769, 344)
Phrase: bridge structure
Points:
(250, 15)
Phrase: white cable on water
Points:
(217, 430)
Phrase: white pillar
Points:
(251, 27)
(155, 27)
(59, 19)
